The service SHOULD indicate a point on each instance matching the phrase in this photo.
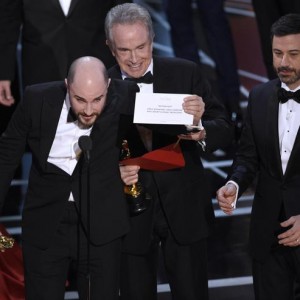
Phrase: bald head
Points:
(87, 85)
(87, 68)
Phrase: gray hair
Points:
(127, 13)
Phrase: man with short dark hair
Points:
(270, 148)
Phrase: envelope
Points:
(165, 158)
(160, 108)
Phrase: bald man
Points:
(74, 209)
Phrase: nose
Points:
(285, 60)
(88, 109)
(133, 56)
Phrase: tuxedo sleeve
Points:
(245, 164)
(12, 145)
(10, 24)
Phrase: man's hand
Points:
(193, 136)
(195, 106)
(291, 237)
(129, 174)
(6, 97)
(226, 196)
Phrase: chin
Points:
(85, 125)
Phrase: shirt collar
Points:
(67, 101)
(284, 86)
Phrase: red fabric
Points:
(11, 272)
(166, 158)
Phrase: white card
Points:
(159, 108)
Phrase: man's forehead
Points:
(89, 93)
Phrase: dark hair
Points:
(127, 13)
(287, 24)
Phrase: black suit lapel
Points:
(72, 6)
(160, 80)
(294, 160)
(115, 72)
(100, 127)
(51, 111)
(272, 143)
(58, 6)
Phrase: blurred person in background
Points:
(266, 13)
(217, 34)
(52, 34)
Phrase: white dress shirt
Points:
(288, 126)
(65, 151)
(65, 6)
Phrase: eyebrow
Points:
(82, 98)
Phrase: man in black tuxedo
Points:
(270, 148)
(74, 209)
(180, 214)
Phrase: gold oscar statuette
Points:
(6, 243)
(135, 193)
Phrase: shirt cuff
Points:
(200, 125)
(197, 127)
(233, 204)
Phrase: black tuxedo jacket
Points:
(35, 122)
(259, 152)
(183, 192)
(50, 40)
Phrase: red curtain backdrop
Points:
(11, 272)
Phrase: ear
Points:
(66, 83)
(152, 46)
(110, 47)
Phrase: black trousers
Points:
(46, 270)
(275, 278)
(185, 265)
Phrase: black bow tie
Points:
(71, 116)
(284, 95)
(147, 78)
